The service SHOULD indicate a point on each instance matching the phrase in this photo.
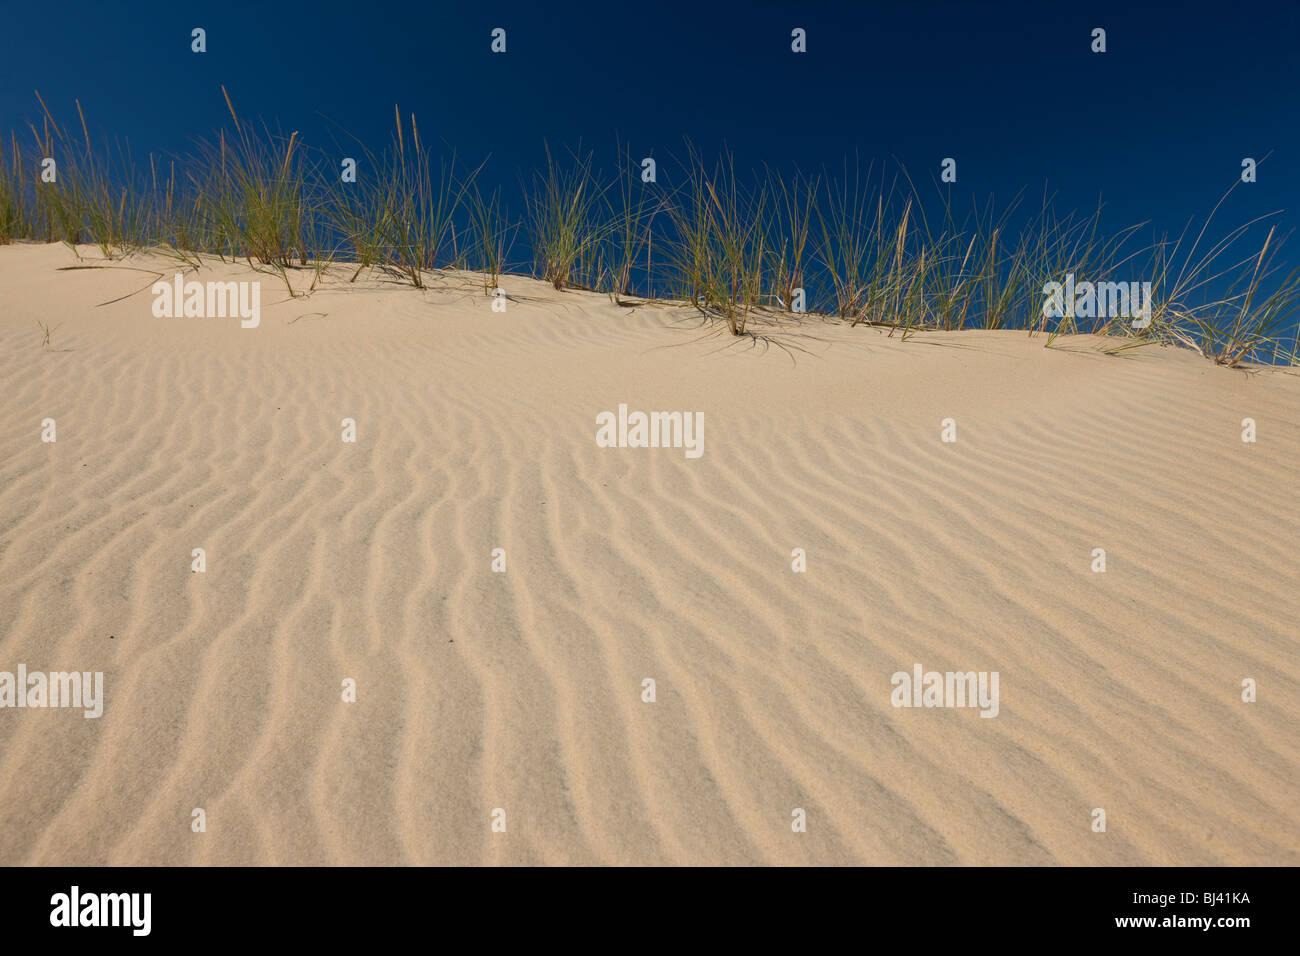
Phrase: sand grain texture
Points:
(523, 690)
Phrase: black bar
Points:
(612, 908)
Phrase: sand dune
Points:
(523, 690)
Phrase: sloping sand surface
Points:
(522, 690)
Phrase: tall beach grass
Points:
(862, 245)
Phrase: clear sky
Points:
(1157, 126)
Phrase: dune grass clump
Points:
(719, 249)
(631, 214)
(853, 244)
(77, 200)
(493, 236)
(408, 212)
(253, 198)
(565, 225)
(793, 201)
(399, 214)
(851, 228)
(17, 215)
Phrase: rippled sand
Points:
(523, 690)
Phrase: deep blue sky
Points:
(1158, 125)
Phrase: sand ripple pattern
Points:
(522, 690)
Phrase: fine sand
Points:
(476, 690)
